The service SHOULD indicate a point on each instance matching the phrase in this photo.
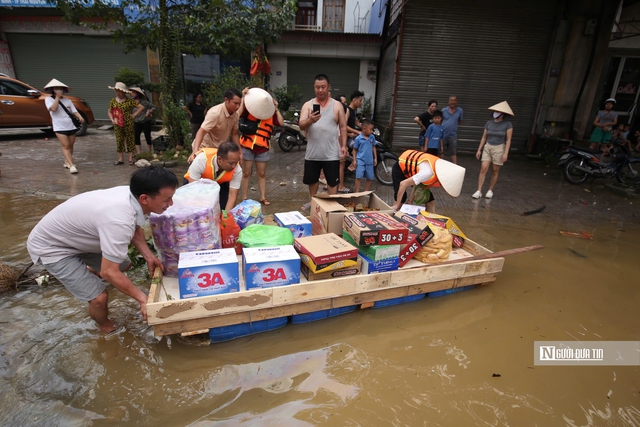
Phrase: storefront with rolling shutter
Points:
(86, 63)
(343, 74)
(483, 52)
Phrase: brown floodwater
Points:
(430, 362)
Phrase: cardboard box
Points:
(419, 235)
(374, 252)
(327, 210)
(375, 228)
(269, 267)
(448, 224)
(341, 272)
(299, 225)
(203, 273)
(370, 266)
(326, 252)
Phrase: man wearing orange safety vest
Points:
(220, 165)
(417, 168)
(260, 111)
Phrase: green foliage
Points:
(135, 257)
(129, 77)
(152, 87)
(176, 121)
(228, 27)
(287, 95)
(232, 77)
(366, 109)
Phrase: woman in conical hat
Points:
(417, 169)
(61, 120)
(494, 146)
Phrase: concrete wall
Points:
(278, 65)
(357, 15)
(631, 13)
(366, 84)
(324, 50)
(569, 58)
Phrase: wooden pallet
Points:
(471, 265)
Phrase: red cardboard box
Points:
(419, 235)
(375, 228)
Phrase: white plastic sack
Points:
(191, 224)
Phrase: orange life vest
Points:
(262, 137)
(209, 170)
(409, 161)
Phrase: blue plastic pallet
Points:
(297, 319)
(449, 291)
(396, 301)
(226, 333)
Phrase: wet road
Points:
(426, 363)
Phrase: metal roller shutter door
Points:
(344, 75)
(483, 52)
(86, 63)
(387, 76)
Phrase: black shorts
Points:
(67, 132)
(398, 176)
(433, 151)
(312, 170)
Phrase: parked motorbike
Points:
(290, 135)
(386, 160)
(581, 163)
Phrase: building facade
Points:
(38, 46)
(332, 37)
(546, 58)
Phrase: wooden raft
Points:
(199, 314)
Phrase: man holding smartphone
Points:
(324, 121)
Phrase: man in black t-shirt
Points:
(353, 126)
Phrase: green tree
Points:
(287, 95)
(232, 77)
(129, 77)
(175, 27)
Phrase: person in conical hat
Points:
(257, 106)
(61, 121)
(494, 146)
(423, 171)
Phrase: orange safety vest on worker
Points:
(209, 170)
(262, 137)
(409, 161)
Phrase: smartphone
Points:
(316, 108)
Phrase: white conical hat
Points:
(502, 107)
(450, 176)
(259, 103)
(55, 83)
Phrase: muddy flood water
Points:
(465, 359)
